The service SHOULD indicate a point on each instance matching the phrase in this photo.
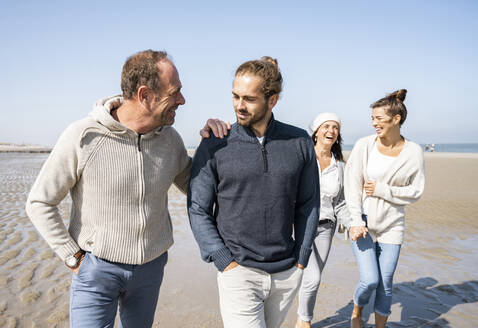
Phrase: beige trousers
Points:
(252, 298)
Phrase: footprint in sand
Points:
(28, 255)
(24, 221)
(12, 265)
(46, 255)
(47, 272)
(29, 297)
(64, 286)
(32, 237)
(3, 236)
(4, 280)
(15, 239)
(59, 316)
(11, 322)
(8, 231)
(8, 255)
(12, 224)
(3, 306)
(26, 279)
(52, 295)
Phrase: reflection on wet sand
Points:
(435, 285)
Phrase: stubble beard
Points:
(253, 119)
(168, 116)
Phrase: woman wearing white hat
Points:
(328, 150)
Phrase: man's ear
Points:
(273, 100)
(143, 94)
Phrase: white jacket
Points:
(402, 184)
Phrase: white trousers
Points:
(313, 272)
(252, 298)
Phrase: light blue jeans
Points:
(376, 263)
(101, 285)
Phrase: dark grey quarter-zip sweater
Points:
(256, 204)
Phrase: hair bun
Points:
(271, 60)
(399, 94)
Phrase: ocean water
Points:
(456, 148)
(444, 148)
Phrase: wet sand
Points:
(436, 284)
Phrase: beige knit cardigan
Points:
(118, 182)
(402, 184)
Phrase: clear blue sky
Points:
(58, 57)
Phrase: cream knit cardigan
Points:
(118, 182)
(402, 184)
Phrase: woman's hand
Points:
(369, 187)
(357, 232)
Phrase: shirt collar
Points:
(332, 165)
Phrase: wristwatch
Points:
(73, 261)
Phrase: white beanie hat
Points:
(321, 118)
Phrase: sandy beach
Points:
(436, 283)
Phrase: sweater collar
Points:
(399, 161)
(333, 165)
(247, 134)
(102, 114)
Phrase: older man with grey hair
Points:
(117, 164)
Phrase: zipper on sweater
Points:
(139, 142)
(264, 156)
(142, 221)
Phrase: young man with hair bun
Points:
(253, 203)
